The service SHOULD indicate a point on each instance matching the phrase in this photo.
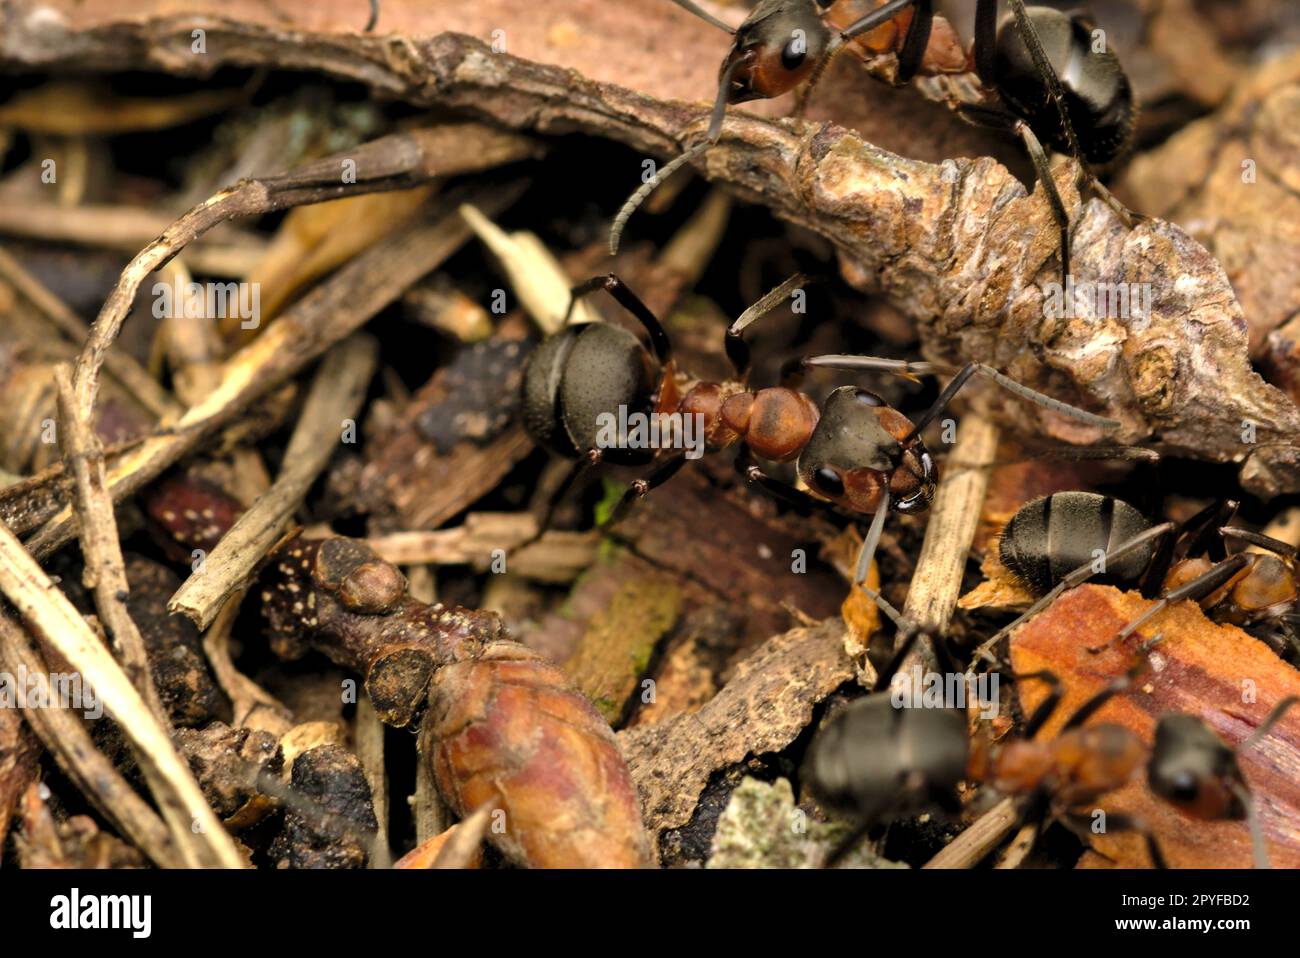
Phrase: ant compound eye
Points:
(826, 4)
(829, 482)
(867, 397)
(1184, 788)
(795, 51)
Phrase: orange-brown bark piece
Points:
(508, 728)
(1218, 673)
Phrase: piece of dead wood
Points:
(368, 732)
(1233, 180)
(460, 846)
(454, 441)
(764, 707)
(198, 834)
(619, 639)
(950, 529)
(251, 705)
(133, 377)
(127, 229)
(1217, 673)
(557, 557)
(984, 834)
(332, 311)
(105, 571)
(18, 750)
(335, 399)
(957, 246)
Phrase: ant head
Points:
(858, 450)
(1192, 769)
(577, 382)
(776, 48)
(872, 757)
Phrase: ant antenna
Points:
(637, 198)
(872, 540)
(911, 370)
(690, 7)
(1278, 711)
(374, 16)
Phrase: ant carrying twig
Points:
(1041, 73)
(854, 452)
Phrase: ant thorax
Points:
(879, 48)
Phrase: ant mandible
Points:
(1019, 64)
(854, 452)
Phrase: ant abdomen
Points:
(576, 379)
(1051, 536)
(1098, 97)
(877, 759)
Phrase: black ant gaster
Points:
(854, 451)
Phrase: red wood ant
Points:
(854, 451)
(881, 761)
(1042, 76)
(1095, 536)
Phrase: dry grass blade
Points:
(198, 833)
(67, 739)
(83, 457)
(335, 398)
(332, 311)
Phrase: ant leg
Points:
(1122, 823)
(1045, 70)
(1047, 708)
(1192, 536)
(374, 16)
(912, 369)
(1074, 578)
(999, 120)
(986, 41)
(1275, 546)
(1205, 584)
(884, 14)
(658, 474)
(736, 347)
(918, 38)
(1090, 708)
(1029, 36)
(872, 539)
(1258, 846)
(659, 341)
(908, 62)
(791, 496)
(593, 458)
(1198, 531)
(1270, 720)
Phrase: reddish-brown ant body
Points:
(853, 451)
